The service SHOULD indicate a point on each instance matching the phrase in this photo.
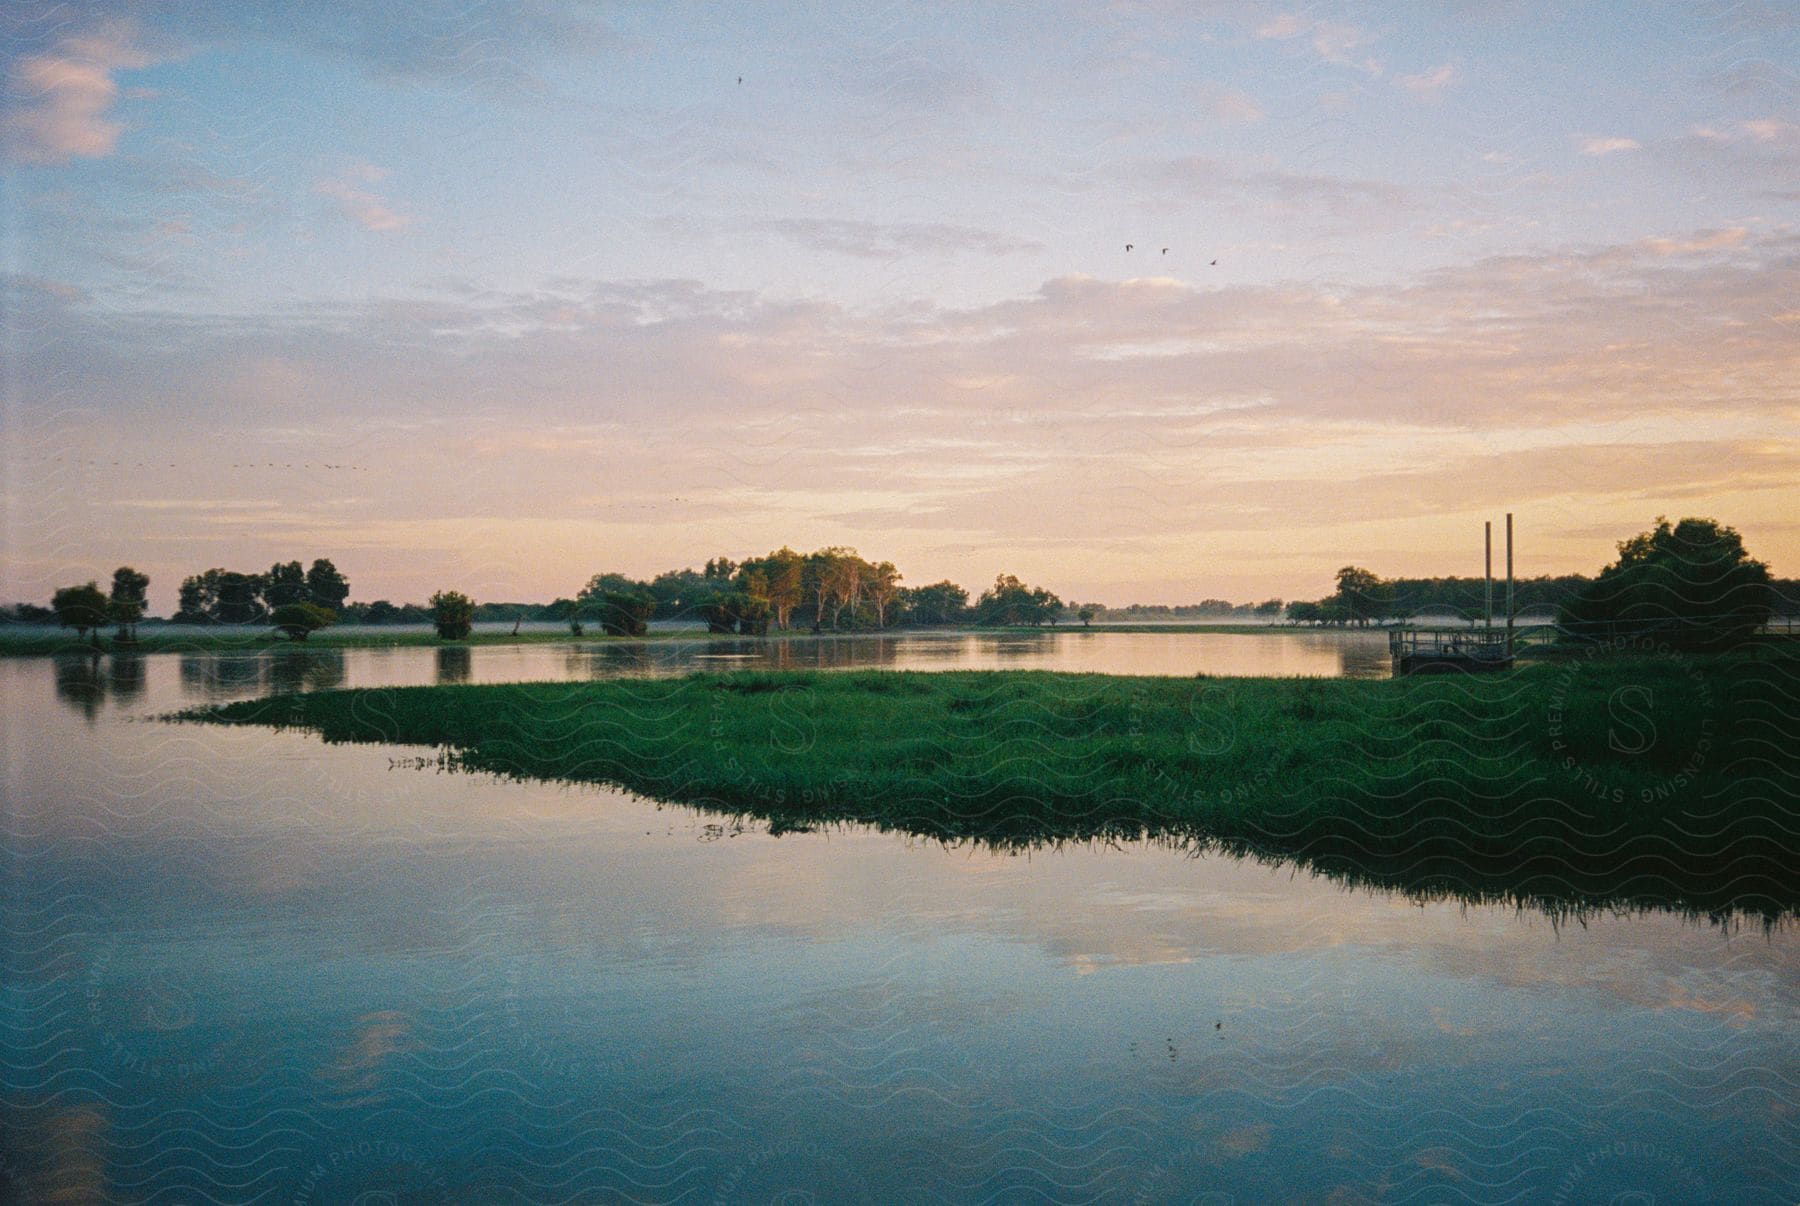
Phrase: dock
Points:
(1450, 650)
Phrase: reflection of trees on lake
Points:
(86, 681)
(454, 664)
(305, 669)
(80, 684)
(610, 661)
(125, 677)
(221, 675)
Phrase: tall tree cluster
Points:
(220, 596)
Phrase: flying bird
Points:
(1214, 264)
(1165, 251)
(1128, 247)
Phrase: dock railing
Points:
(1454, 644)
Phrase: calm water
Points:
(245, 966)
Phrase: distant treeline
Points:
(836, 588)
(1205, 609)
(1363, 597)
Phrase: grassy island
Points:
(1670, 775)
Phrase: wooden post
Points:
(1487, 573)
(1509, 585)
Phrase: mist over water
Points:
(244, 965)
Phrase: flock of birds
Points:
(1165, 251)
(76, 460)
(327, 465)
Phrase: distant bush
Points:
(297, 621)
(625, 613)
(454, 614)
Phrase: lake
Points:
(243, 965)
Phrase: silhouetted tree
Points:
(325, 586)
(1691, 584)
(1362, 595)
(454, 614)
(82, 608)
(285, 583)
(126, 603)
(239, 598)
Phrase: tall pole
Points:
(1487, 573)
(1509, 584)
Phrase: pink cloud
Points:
(366, 208)
(58, 104)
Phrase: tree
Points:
(785, 571)
(284, 583)
(1362, 595)
(718, 613)
(380, 612)
(625, 613)
(1010, 602)
(1691, 584)
(325, 586)
(599, 584)
(454, 614)
(31, 613)
(753, 613)
(1085, 615)
(297, 621)
(720, 569)
(1269, 608)
(199, 598)
(940, 603)
(736, 611)
(884, 588)
(1301, 611)
(238, 597)
(126, 603)
(82, 608)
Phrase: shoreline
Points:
(50, 642)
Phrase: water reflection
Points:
(126, 677)
(455, 663)
(304, 669)
(220, 677)
(259, 966)
(80, 683)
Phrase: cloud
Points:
(367, 209)
(1608, 146)
(1428, 84)
(1610, 382)
(1333, 41)
(1706, 241)
(58, 104)
(1228, 104)
(1197, 175)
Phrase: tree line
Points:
(1689, 583)
(833, 588)
(836, 589)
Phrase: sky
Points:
(496, 296)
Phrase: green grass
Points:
(1631, 778)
